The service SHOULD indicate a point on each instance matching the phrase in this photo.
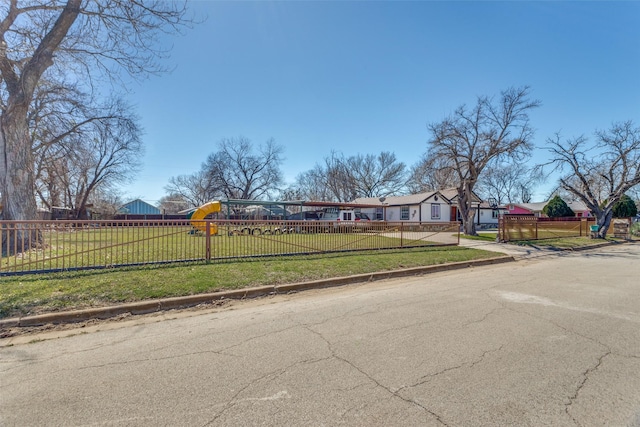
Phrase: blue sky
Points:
(365, 77)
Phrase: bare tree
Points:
(196, 189)
(100, 148)
(432, 174)
(376, 176)
(343, 179)
(310, 185)
(471, 139)
(238, 171)
(110, 157)
(106, 202)
(173, 203)
(599, 174)
(76, 38)
(337, 178)
(508, 183)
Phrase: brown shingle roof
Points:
(449, 194)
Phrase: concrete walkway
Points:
(520, 252)
(513, 250)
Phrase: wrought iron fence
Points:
(46, 246)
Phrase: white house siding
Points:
(422, 213)
(419, 206)
(486, 217)
(445, 212)
(394, 213)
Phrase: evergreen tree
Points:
(557, 208)
(625, 207)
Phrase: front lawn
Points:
(34, 294)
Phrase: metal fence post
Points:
(208, 241)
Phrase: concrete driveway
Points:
(517, 251)
(552, 340)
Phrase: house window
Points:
(435, 211)
(404, 213)
(379, 214)
(495, 214)
(346, 216)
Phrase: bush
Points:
(557, 208)
(625, 208)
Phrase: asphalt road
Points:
(550, 340)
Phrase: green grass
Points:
(487, 237)
(66, 247)
(564, 242)
(34, 294)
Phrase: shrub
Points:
(625, 207)
(557, 208)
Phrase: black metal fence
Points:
(46, 246)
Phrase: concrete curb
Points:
(144, 307)
(587, 247)
(600, 245)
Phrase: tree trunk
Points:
(466, 210)
(603, 219)
(16, 184)
(16, 157)
(18, 189)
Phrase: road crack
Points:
(375, 381)
(427, 378)
(582, 383)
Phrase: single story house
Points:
(488, 215)
(138, 207)
(432, 206)
(535, 209)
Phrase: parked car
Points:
(310, 216)
(362, 221)
(304, 216)
(349, 221)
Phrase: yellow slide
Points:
(200, 214)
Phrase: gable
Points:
(408, 200)
(139, 207)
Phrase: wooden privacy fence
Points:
(512, 228)
(47, 246)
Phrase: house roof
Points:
(576, 206)
(450, 195)
(136, 201)
(487, 205)
(532, 207)
(138, 206)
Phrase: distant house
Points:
(138, 207)
(488, 215)
(432, 206)
(535, 209)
